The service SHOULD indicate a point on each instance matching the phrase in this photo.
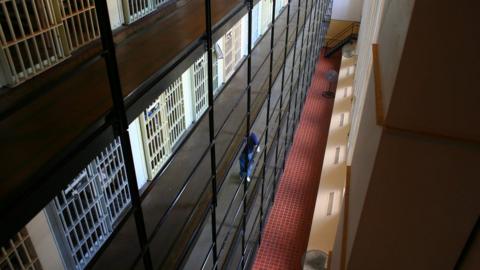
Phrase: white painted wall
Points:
(139, 162)
(348, 10)
(369, 29)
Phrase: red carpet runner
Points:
(286, 234)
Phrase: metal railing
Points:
(270, 102)
(350, 32)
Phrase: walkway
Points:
(286, 234)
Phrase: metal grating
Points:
(136, 9)
(31, 36)
(175, 110)
(113, 180)
(19, 253)
(87, 210)
(200, 93)
(83, 220)
(156, 143)
(80, 20)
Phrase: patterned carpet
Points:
(287, 230)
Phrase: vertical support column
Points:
(270, 84)
(291, 82)
(247, 130)
(121, 124)
(303, 92)
(296, 111)
(280, 118)
(211, 118)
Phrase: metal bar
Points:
(247, 130)
(307, 58)
(211, 119)
(282, 88)
(291, 78)
(121, 123)
(270, 82)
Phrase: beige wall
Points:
(414, 195)
(332, 180)
(350, 10)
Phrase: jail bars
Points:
(92, 207)
(85, 213)
(19, 253)
(32, 38)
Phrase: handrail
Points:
(352, 28)
(346, 202)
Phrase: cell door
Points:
(200, 87)
(32, 38)
(237, 42)
(80, 20)
(229, 54)
(81, 219)
(175, 111)
(110, 168)
(86, 212)
(136, 9)
(156, 143)
(19, 253)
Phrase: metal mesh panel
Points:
(200, 86)
(113, 180)
(87, 210)
(19, 253)
(140, 8)
(155, 136)
(80, 20)
(31, 37)
(175, 110)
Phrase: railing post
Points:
(121, 123)
(291, 82)
(247, 131)
(211, 124)
(285, 54)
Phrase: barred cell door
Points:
(237, 41)
(200, 88)
(86, 212)
(136, 9)
(19, 253)
(175, 110)
(156, 142)
(110, 167)
(83, 222)
(80, 20)
(229, 61)
(32, 38)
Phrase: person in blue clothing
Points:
(246, 158)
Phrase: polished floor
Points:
(287, 230)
